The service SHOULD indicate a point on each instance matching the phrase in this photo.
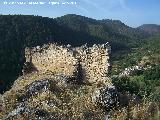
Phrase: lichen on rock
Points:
(106, 96)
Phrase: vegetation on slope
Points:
(19, 31)
(144, 83)
(150, 28)
(114, 31)
(148, 52)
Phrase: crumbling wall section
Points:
(95, 62)
(89, 63)
(54, 58)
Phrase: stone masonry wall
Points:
(92, 63)
(53, 58)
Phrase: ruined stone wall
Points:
(92, 63)
(56, 59)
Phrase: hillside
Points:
(147, 52)
(42, 77)
(150, 28)
(119, 27)
(20, 31)
(114, 31)
(138, 71)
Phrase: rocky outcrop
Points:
(107, 97)
(25, 112)
(54, 84)
(130, 70)
(22, 107)
(54, 98)
(133, 69)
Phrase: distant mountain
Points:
(150, 28)
(113, 31)
(119, 27)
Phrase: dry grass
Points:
(143, 111)
(72, 102)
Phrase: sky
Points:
(131, 12)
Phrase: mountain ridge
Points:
(150, 28)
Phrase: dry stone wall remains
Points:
(56, 59)
(94, 61)
(88, 63)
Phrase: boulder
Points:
(27, 113)
(107, 97)
(37, 86)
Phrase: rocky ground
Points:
(38, 96)
(49, 97)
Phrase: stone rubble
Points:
(37, 86)
(131, 70)
(106, 96)
(27, 111)
(31, 90)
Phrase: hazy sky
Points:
(131, 12)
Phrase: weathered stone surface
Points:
(26, 112)
(19, 109)
(95, 62)
(52, 98)
(106, 97)
(36, 86)
(40, 86)
(52, 57)
(22, 107)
